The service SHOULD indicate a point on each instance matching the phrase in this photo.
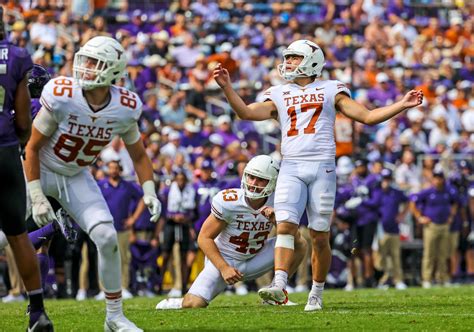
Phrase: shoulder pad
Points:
(223, 202)
(56, 92)
(130, 101)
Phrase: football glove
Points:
(42, 210)
(151, 201)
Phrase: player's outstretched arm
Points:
(256, 111)
(144, 169)
(360, 113)
(211, 228)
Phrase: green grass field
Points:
(361, 310)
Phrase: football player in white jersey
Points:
(306, 109)
(78, 118)
(234, 236)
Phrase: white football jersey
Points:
(247, 228)
(307, 115)
(81, 133)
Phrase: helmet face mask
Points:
(262, 167)
(100, 62)
(311, 65)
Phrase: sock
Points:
(281, 278)
(43, 260)
(36, 301)
(42, 235)
(317, 288)
(113, 306)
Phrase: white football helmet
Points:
(110, 59)
(311, 65)
(264, 167)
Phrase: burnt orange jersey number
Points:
(63, 86)
(310, 128)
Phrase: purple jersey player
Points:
(15, 130)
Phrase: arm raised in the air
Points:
(256, 111)
(360, 113)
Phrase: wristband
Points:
(34, 187)
(149, 188)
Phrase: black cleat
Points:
(43, 324)
(65, 226)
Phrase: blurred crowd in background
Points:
(379, 49)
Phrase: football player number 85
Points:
(127, 99)
(62, 86)
(310, 128)
(68, 147)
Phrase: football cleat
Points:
(42, 324)
(65, 225)
(270, 302)
(314, 303)
(170, 304)
(275, 294)
(120, 324)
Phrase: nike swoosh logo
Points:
(111, 121)
(30, 329)
(329, 170)
(317, 89)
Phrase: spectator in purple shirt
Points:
(119, 195)
(340, 54)
(179, 202)
(399, 9)
(367, 216)
(383, 94)
(225, 130)
(137, 24)
(191, 137)
(144, 247)
(435, 209)
(460, 226)
(390, 217)
(206, 187)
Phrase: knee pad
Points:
(285, 241)
(104, 236)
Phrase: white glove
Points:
(470, 237)
(353, 203)
(42, 210)
(362, 191)
(151, 201)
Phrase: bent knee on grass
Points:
(191, 302)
